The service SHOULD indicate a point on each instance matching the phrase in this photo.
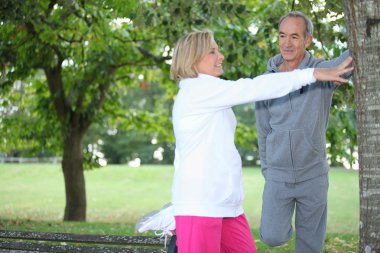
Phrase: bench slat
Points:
(39, 247)
(67, 237)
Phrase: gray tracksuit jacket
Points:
(292, 129)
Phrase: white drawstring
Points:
(163, 233)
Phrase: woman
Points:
(207, 186)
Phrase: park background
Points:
(113, 59)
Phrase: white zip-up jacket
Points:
(208, 177)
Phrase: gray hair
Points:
(298, 14)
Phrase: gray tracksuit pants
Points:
(309, 199)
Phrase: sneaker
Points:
(159, 220)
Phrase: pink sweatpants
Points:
(214, 235)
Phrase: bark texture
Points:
(363, 27)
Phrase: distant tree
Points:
(82, 52)
(363, 25)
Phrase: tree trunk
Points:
(363, 25)
(72, 130)
(72, 165)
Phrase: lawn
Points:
(32, 198)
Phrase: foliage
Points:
(25, 132)
(136, 39)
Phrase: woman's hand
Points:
(334, 74)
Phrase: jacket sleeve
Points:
(219, 93)
(263, 129)
(335, 62)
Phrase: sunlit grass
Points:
(32, 198)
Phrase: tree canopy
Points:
(129, 45)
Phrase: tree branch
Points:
(72, 40)
(50, 7)
(54, 78)
(55, 84)
(123, 77)
(157, 59)
(319, 31)
(144, 51)
(138, 40)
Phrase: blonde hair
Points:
(188, 51)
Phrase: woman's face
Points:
(211, 63)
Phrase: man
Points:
(291, 136)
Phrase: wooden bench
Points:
(21, 241)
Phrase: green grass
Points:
(32, 198)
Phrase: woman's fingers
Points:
(342, 80)
(334, 74)
(346, 70)
(346, 63)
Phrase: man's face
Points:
(292, 39)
